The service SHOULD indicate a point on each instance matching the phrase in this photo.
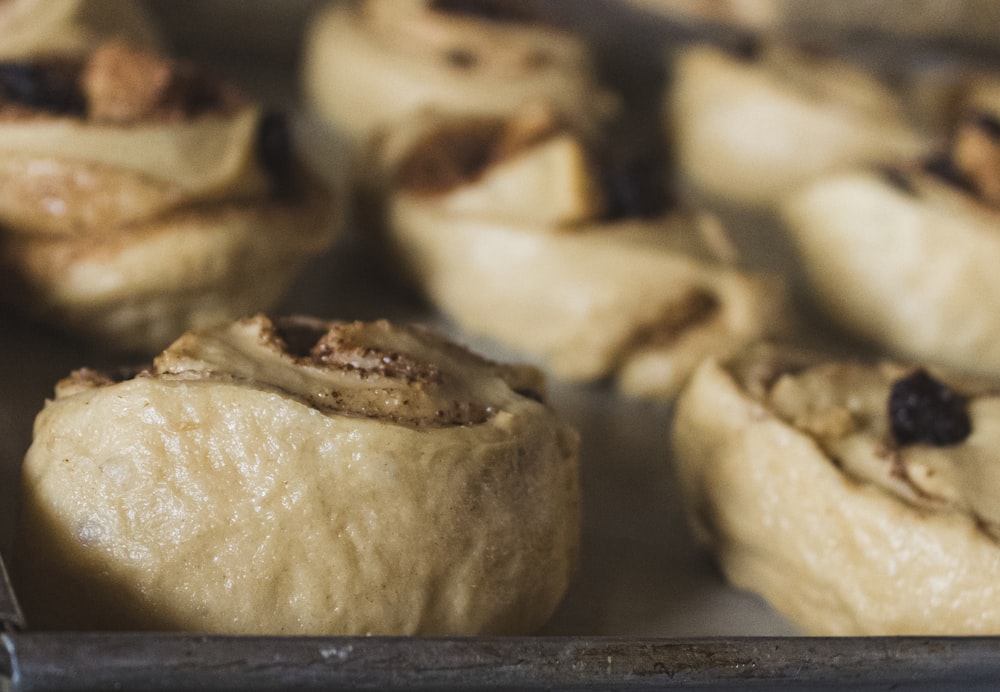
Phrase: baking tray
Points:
(648, 608)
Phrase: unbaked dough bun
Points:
(969, 23)
(70, 27)
(514, 229)
(140, 197)
(374, 64)
(750, 128)
(857, 499)
(296, 476)
(905, 255)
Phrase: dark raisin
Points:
(509, 11)
(898, 179)
(635, 188)
(986, 123)
(194, 91)
(745, 48)
(461, 58)
(531, 394)
(52, 88)
(274, 150)
(942, 166)
(922, 409)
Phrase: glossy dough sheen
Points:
(216, 503)
(836, 555)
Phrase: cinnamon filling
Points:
(693, 308)
(48, 86)
(506, 11)
(116, 85)
(976, 152)
(460, 153)
(121, 86)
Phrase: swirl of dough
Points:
(752, 128)
(794, 475)
(377, 370)
(510, 227)
(904, 254)
(120, 138)
(374, 64)
(962, 23)
(139, 195)
(41, 27)
(296, 476)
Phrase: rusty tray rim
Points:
(167, 661)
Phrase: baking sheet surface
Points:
(641, 581)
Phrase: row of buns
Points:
(486, 168)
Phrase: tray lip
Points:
(10, 611)
(153, 660)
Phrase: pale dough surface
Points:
(33, 27)
(124, 234)
(525, 252)
(753, 130)
(213, 496)
(369, 67)
(838, 552)
(910, 271)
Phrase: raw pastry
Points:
(858, 499)
(139, 197)
(751, 128)
(513, 229)
(906, 255)
(70, 27)
(955, 22)
(372, 65)
(296, 476)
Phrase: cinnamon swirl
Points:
(297, 476)
(859, 499)
(752, 127)
(904, 254)
(372, 65)
(140, 197)
(521, 230)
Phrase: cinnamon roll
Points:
(140, 197)
(752, 127)
(374, 64)
(904, 254)
(70, 27)
(298, 476)
(965, 23)
(522, 230)
(859, 499)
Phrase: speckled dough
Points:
(792, 479)
(301, 477)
